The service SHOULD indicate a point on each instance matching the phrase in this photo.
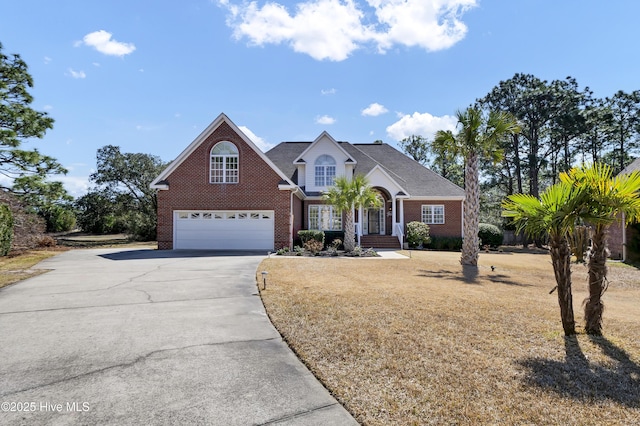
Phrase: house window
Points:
(325, 218)
(433, 214)
(224, 163)
(325, 170)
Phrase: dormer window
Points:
(325, 170)
(224, 163)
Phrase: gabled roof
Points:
(634, 166)
(416, 180)
(324, 134)
(160, 183)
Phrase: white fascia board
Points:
(299, 159)
(287, 187)
(437, 198)
(377, 167)
(201, 138)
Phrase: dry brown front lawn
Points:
(419, 341)
(17, 266)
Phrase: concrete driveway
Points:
(150, 337)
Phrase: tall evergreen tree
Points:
(19, 122)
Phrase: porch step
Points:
(380, 241)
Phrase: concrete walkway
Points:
(150, 337)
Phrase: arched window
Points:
(224, 163)
(325, 170)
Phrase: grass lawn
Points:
(16, 267)
(419, 341)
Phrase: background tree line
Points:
(561, 124)
(32, 202)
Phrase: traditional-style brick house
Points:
(222, 192)
(621, 238)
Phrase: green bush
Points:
(59, 219)
(330, 236)
(6, 229)
(417, 234)
(446, 243)
(311, 234)
(490, 235)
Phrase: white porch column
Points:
(360, 221)
(393, 215)
(402, 214)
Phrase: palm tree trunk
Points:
(561, 260)
(597, 264)
(471, 243)
(349, 231)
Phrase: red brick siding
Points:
(189, 188)
(614, 241)
(452, 226)
(298, 216)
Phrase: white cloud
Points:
(374, 110)
(334, 29)
(323, 29)
(331, 91)
(103, 43)
(47, 107)
(260, 143)
(76, 186)
(325, 119)
(424, 124)
(76, 74)
(47, 60)
(5, 181)
(96, 64)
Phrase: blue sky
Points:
(149, 76)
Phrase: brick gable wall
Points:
(189, 188)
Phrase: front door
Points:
(375, 221)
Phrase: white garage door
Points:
(223, 230)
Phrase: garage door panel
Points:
(217, 230)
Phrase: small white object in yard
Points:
(264, 280)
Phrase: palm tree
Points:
(554, 214)
(608, 197)
(478, 137)
(346, 195)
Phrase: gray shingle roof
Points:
(418, 180)
(635, 165)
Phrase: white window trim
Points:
(430, 221)
(334, 215)
(323, 176)
(225, 162)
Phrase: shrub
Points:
(314, 246)
(490, 235)
(283, 251)
(446, 243)
(311, 234)
(331, 236)
(59, 219)
(417, 234)
(6, 229)
(47, 241)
